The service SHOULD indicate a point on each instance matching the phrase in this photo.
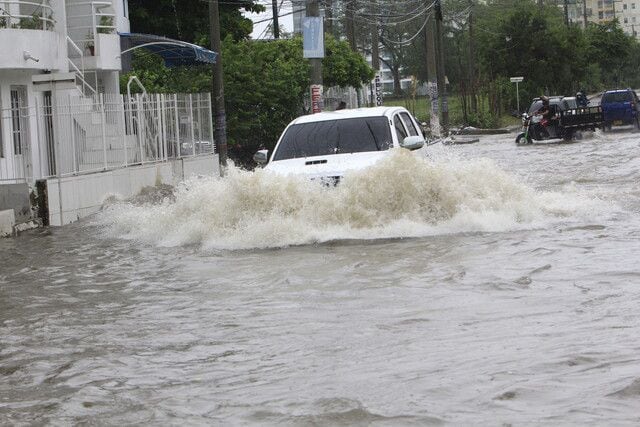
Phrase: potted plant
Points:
(89, 45)
(106, 25)
(31, 23)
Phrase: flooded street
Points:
(491, 284)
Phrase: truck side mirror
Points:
(261, 157)
(412, 142)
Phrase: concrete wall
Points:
(7, 220)
(46, 46)
(16, 197)
(75, 197)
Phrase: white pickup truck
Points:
(326, 145)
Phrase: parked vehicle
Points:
(326, 145)
(620, 107)
(565, 119)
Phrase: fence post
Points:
(74, 153)
(123, 128)
(104, 130)
(139, 128)
(158, 125)
(38, 138)
(193, 139)
(209, 115)
(163, 117)
(199, 108)
(177, 112)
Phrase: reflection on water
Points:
(458, 290)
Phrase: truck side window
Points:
(400, 131)
(409, 124)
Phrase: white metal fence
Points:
(75, 134)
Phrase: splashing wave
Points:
(401, 196)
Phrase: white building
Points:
(63, 123)
(600, 11)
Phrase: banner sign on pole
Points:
(378, 89)
(316, 99)
(432, 89)
(312, 37)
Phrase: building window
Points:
(600, 15)
(633, 5)
(626, 20)
(624, 6)
(19, 118)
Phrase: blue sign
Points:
(312, 37)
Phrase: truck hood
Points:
(330, 166)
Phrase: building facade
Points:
(64, 126)
(627, 12)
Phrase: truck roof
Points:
(348, 114)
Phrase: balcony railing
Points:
(87, 20)
(26, 15)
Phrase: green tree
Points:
(610, 48)
(188, 20)
(265, 85)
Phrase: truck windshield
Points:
(612, 97)
(335, 137)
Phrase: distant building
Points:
(600, 11)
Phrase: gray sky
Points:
(259, 29)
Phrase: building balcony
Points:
(26, 49)
(92, 27)
(28, 39)
(103, 53)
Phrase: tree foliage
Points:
(265, 84)
(188, 20)
(515, 38)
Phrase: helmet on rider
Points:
(544, 99)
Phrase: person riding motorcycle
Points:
(581, 98)
(547, 115)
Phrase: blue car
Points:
(620, 107)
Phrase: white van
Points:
(326, 145)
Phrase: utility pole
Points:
(375, 53)
(276, 25)
(350, 27)
(313, 10)
(218, 87)
(432, 85)
(472, 59)
(328, 14)
(584, 13)
(441, 74)
(566, 13)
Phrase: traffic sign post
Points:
(517, 80)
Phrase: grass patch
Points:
(420, 107)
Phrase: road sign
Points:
(517, 80)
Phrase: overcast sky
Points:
(259, 28)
